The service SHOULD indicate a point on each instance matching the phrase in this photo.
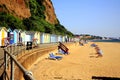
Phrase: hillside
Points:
(35, 15)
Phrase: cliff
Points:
(35, 15)
(49, 12)
(17, 8)
(21, 9)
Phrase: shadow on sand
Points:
(104, 78)
(92, 55)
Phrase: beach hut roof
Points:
(3, 28)
(17, 30)
(10, 30)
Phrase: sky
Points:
(94, 17)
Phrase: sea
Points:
(112, 40)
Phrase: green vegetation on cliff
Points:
(8, 20)
(36, 22)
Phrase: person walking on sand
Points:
(99, 52)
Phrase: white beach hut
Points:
(29, 35)
(59, 38)
(37, 36)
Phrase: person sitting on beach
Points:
(7, 41)
(99, 52)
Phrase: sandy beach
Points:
(80, 64)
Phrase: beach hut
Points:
(42, 37)
(0, 36)
(29, 36)
(23, 33)
(66, 38)
(63, 38)
(17, 36)
(3, 35)
(59, 38)
(46, 38)
(37, 36)
(10, 35)
(53, 38)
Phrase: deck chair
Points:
(63, 48)
(52, 56)
(61, 52)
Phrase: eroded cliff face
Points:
(16, 7)
(49, 12)
(20, 8)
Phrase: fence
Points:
(14, 51)
(10, 61)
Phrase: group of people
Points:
(82, 42)
(98, 50)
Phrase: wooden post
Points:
(5, 60)
(12, 69)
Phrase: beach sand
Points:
(80, 64)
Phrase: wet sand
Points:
(80, 64)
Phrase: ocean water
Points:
(114, 40)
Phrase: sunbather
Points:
(52, 56)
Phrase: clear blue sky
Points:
(95, 17)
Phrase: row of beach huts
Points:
(17, 35)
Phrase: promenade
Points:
(16, 48)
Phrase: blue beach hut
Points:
(10, 35)
(17, 35)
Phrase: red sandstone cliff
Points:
(16, 7)
(20, 9)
